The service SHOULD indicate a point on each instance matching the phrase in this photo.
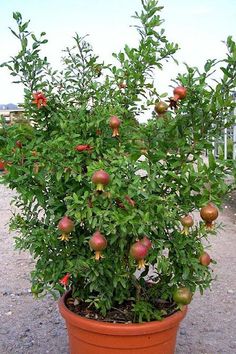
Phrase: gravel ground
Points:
(31, 326)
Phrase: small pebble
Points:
(230, 291)
(9, 313)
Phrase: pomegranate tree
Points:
(93, 209)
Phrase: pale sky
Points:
(198, 26)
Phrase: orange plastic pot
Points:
(95, 337)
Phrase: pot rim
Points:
(119, 328)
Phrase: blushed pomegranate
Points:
(66, 226)
(98, 243)
(209, 213)
(115, 124)
(101, 179)
(187, 222)
(180, 93)
(146, 242)
(161, 107)
(139, 251)
(205, 259)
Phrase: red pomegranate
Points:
(139, 251)
(98, 243)
(66, 226)
(180, 93)
(187, 222)
(161, 108)
(115, 124)
(101, 179)
(205, 259)
(146, 242)
(209, 213)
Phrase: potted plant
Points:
(106, 202)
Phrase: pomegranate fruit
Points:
(182, 296)
(161, 108)
(139, 251)
(98, 243)
(209, 213)
(187, 222)
(180, 93)
(205, 259)
(115, 124)
(101, 179)
(66, 226)
(146, 242)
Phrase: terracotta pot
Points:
(95, 337)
